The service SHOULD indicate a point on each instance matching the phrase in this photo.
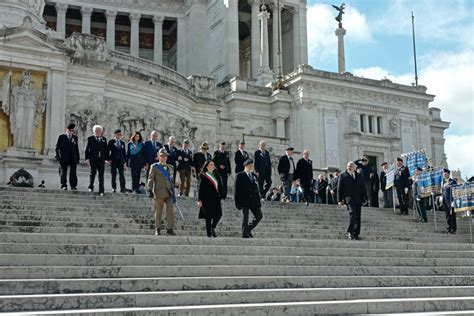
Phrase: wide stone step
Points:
(69, 272)
(230, 260)
(105, 285)
(21, 303)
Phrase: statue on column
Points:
(340, 8)
(24, 107)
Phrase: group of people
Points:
(359, 185)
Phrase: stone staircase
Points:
(78, 253)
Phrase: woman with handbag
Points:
(210, 197)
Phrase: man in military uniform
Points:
(96, 155)
(304, 173)
(160, 185)
(247, 198)
(402, 182)
(263, 168)
(117, 160)
(240, 157)
(419, 201)
(67, 154)
(447, 200)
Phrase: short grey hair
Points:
(172, 138)
(97, 127)
(153, 132)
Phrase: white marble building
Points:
(198, 69)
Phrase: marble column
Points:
(341, 59)
(276, 19)
(134, 34)
(265, 76)
(55, 110)
(61, 10)
(181, 61)
(255, 37)
(296, 38)
(86, 19)
(111, 15)
(280, 127)
(158, 41)
(232, 42)
(303, 35)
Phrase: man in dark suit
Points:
(402, 183)
(447, 200)
(304, 173)
(263, 168)
(375, 185)
(387, 193)
(184, 158)
(67, 154)
(117, 160)
(286, 170)
(320, 189)
(222, 161)
(96, 155)
(152, 146)
(247, 198)
(365, 170)
(240, 157)
(351, 193)
(172, 151)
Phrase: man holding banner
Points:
(419, 200)
(386, 185)
(160, 186)
(402, 183)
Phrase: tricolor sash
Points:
(213, 180)
(167, 176)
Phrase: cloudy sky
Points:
(378, 44)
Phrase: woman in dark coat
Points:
(210, 197)
(136, 159)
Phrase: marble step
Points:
(107, 285)
(215, 250)
(363, 306)
(230, 260)
(185, 270)
(93, 239)
(21, 303)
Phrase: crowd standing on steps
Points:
(359, 185)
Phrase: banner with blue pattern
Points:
(463, 199)
(430, 182)
(415, 159)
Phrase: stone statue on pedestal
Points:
(24, 107)
(340, 8)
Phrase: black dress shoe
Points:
(74, 189)
(170, 232)
(213, 232)
(245, 236)
(64, 188)
(350, 236)
(157, 232)
(250, 234)
(357, 237)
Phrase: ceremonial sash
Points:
(213, 180)
(167, 176)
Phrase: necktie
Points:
(98, 139)
(69, 137)
(250, 177)
(117, 144)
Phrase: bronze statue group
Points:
(357, 186)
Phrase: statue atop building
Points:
(340, 9)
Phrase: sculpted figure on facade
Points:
(203, 87)
(393, 124)
(24, 107)
(87, 46)
(353, 122)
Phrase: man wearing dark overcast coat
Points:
(67, 154)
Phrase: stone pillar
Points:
(265, 76)
(86, 19)
(134, 34)
(233, 50)
(255, 37)
(55, 110)
(296, 38)
(158, 42)
(303, 35)
(61, 10)
(341, 59)
(280, 127)
(111, 15)
(276, 19)
(181, 62)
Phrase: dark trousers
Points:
(211, 222)
(450, 219)
(368, 193)
(402, 200)
(420, 207)
(257, 214)
(263, 189)
(72, 174)
(97, 167)
(113, 170)
(308, 194)
(136, 173)
(374, 199)
(388, 198)
(224, 178)
(321, 197)
(354, 210)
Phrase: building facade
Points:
(194, 69)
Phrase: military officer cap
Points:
(186, 141)
(446, 170)
(222, 142)
(71, 126)
(162, 152)
(242, 142)
(419, 169)
(399, 159)
(118, 131)
(248, 162)
(290, 149)
(384, 163)
(204, 145)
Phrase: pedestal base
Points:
(264, 78)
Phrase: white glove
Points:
(406, 190)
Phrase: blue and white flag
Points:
(463, 199)
(414, 160)
(430, 182)
(390, 177)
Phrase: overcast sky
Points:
(378, 44)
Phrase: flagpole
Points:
(414, 47)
